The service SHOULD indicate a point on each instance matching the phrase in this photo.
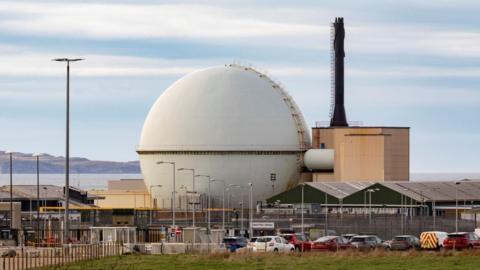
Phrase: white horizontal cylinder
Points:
(319, 159)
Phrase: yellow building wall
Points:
(122, 199)
(365, 153)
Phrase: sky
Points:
(408, 63)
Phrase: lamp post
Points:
(370, 191)
(209, 179)
(193, 191)
(456, 201)
(303, 190)
(326, 214)
(173, 190)
(250, 214)
(223, 202)
(151, 200)
(10, 153)
(67, 144)
(37, 157)
(241, 205)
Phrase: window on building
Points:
(322, 145)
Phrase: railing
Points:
(35, 258)
(320, 124)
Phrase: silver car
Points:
(366, 242)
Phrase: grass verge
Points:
(325, 261)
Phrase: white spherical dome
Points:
(224, 108)
(229, 122)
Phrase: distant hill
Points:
(24, 163)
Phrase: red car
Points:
(298, 239)
(330, 243)
(461, 240)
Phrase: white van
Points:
(432, 239)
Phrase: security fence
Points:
(35, 258)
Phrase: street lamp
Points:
(250, 214)
(10, 153)
(370, 191)
(37, 156)
(303, 190)
(241, 205)
(456, 202)
(173, 190)
(193, 191)
(67, 143)
(223, 202)
(434, 208)
(151, 200)
(209, 179)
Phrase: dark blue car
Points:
(234, 243)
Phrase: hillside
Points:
(24, 163)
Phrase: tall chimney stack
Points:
(338, 117)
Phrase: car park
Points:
(330, 243)
(462, 240)
(272, 244)
(234, 243)
(299, 240)
(366, 242)
(432, 239)
(404, 242)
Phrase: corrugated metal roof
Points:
(340, 190)
(50, 192)
(438, 191)
(419, 191)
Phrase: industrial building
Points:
(364, 153)
(386, 197)
(49, 196)
(355, 153)
(124, 193)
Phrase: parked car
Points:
(330, 243)
(404, 242)
(299, 240)
(366, 242)
(272, 244)
(251, 243)
(349, 236)
(234, 243)
(432, 239)
(461, 240)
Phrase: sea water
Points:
(99, 181)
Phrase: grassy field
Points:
(323, 261)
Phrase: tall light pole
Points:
(241, 205)
(250, 214)
(303, 207)
(209, 179)
(223, 202)
(151, 200)
(370, 191)
(173, 190)
(10, 153)
(456, 201)
(326, 214)
(37, 157)
(193, 191)
(67, 146)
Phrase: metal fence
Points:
(35, 258)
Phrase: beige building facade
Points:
(364, 153)
(124, 193)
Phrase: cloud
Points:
(103, 21)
